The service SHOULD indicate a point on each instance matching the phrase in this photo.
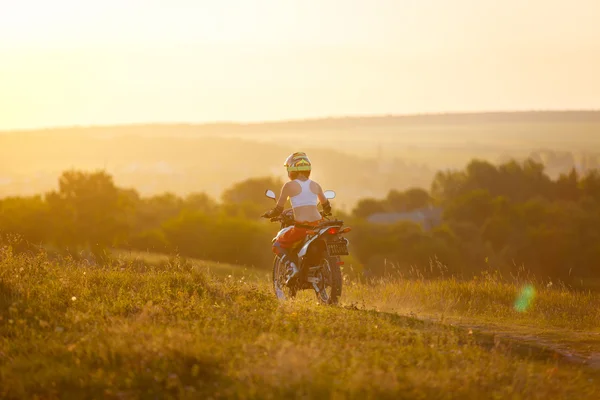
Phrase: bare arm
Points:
(322, 199)
(320, 194)
(285, 193)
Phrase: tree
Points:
(26, 217)
(219, 238)
(200, 202)
(447, 185)
(88, 210)
(474, 207)
(153, 211)
(567, 186)
(397, 201)
(590, 184)
(409, 200)
(252, 190)
(247, 198)
(417, 198)
(482, 175)
(367, 207)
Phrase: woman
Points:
(304, 194)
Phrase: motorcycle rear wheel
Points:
(330, 286)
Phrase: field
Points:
(170, 328)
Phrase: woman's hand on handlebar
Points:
(273, 213)
(273, 219)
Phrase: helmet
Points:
(297, 162)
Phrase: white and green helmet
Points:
(297, 162)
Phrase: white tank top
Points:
(306, 196)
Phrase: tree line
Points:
(89, 213)
(507, 217)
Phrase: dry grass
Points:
(549, 307)
(541, 313)
(69, 330)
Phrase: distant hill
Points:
(357, 156)
(474, 118)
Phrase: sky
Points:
(87, 62)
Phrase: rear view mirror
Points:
(329, 194)
(270, 194)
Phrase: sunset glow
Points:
(70, 62)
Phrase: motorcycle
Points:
(319, 257)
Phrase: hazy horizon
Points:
(309, 118)
(67, 63)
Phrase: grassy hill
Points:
(172, 330)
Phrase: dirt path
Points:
(581, 348)
(562, 345)
(540, 343)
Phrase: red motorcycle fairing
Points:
(281, 232)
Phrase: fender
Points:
(304, 248)
(281, 232)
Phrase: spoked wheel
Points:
(282, 291)
(328, 281)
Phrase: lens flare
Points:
(525, 298)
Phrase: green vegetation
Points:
(504, 217)
(89, 214)
(131, 330)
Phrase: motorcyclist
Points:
(303, 194)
